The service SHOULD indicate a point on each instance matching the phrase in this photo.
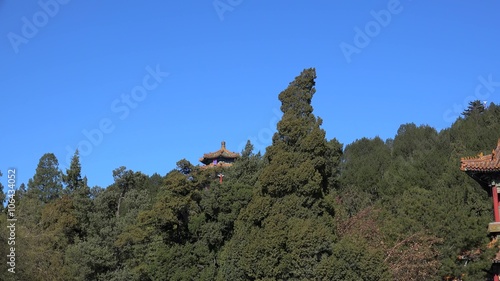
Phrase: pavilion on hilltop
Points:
(219, 158)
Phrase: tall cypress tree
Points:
(287, 228)
(297, 160)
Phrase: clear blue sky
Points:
(71, 67)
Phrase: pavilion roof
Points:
(222, 152)
(482, 163)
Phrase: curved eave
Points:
(207, 161)
(220, 164)
(484, 178)
(226, 154)
(485, 169)
(209, 157)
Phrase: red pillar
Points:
(494, 195)
(496, 213)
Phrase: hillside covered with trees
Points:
(308, 208)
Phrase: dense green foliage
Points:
(307, 209)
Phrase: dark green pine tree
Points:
(46, 219)
(21, 191)
(125, 180)
(46, 184)
(184, 166)
(246, 168)
(287, 229)
(79, 192)
(73, 177)
(475, 107)
(364, 164)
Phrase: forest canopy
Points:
(308, 208)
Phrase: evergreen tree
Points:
(297, 156)
(165, 234)
(46, 184)
(286, 230)
(124, 181)
(79, 192)
(44, 189)
(365, 163)
(246, 168)
(73, 178)
(247, 150)
(475, 107)
(21, 192)
(184, 166)
(94, 256)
